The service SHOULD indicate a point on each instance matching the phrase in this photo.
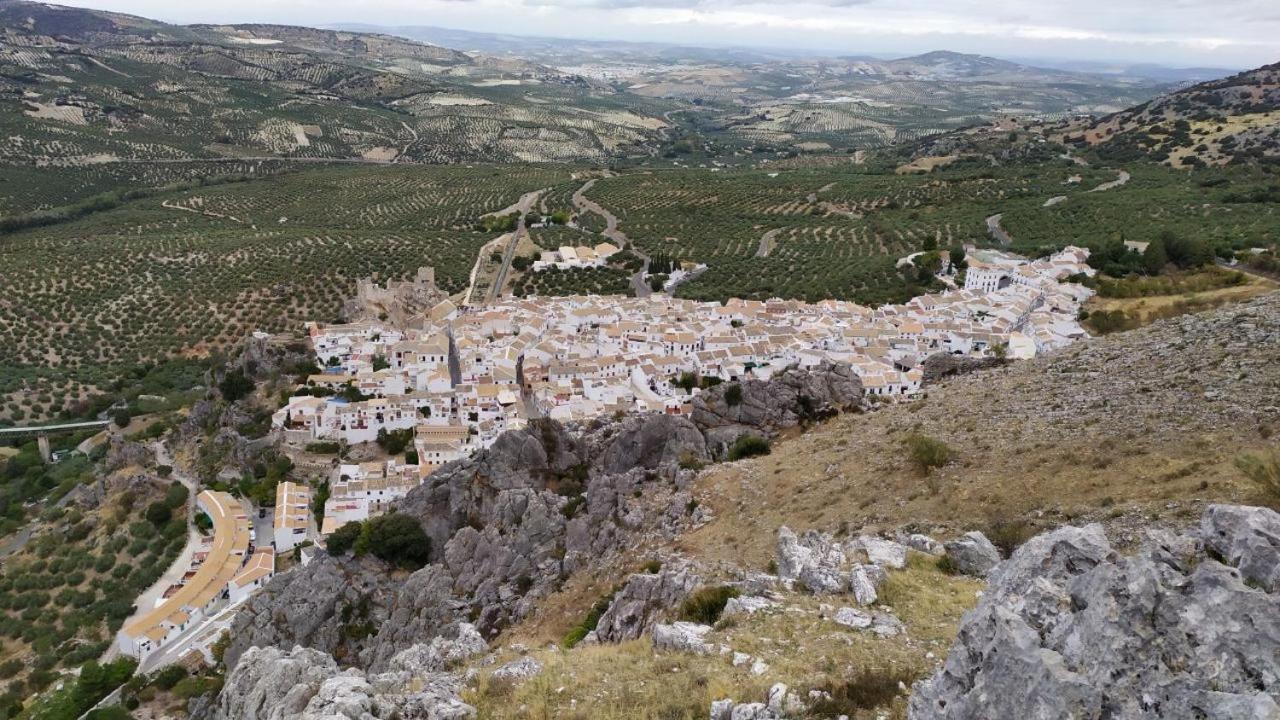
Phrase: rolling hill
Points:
(1230, 120)
(81, 88)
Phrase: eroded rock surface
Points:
(1187, 627)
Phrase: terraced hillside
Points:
(81, 88)
(191, 271)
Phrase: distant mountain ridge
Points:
(83, 86)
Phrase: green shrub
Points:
(397, 539)
(748, 446)
(166, 678)
(158, 514)
(580, 631)
(706, 605)
(927, 453)
(733, 395)
(1008, 534)
(342, 540)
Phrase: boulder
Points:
(852, 618)
(812, 559)
(643, 600)
(682, 637)
(924, 544)
(885, 553)
(1070, 629)
(973, 554)
(517, 670)
(862, 584)
(1247, 538)
(748, 605)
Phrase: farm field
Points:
(194, 271)
(837, 231)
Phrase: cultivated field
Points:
(196, 270)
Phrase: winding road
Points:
(584, 204)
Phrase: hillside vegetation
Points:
(1235, 119)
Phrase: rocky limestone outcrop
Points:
(759, 407)
(684, 637)
(510, 523)
(1187, 627)
(820, 564)
(940, 366)
(972, 554)
(653, 441)
(643, 600)
(306, 684)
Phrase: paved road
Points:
(147, 600)
(639, 285)
(767, 243)
(523, 207)
(1121, 179)
(996, 231)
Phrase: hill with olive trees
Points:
(1236, 119)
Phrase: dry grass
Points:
(803, 647)
(1148, 309)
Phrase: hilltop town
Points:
(447, 381)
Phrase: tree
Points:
(1155, 258)
(158, 514)
(380, 363)
(235, 385)
(397, 539)
(343, 539)
(121, 418)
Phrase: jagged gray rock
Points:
(642, 601)
(812, 559)
(786, 400)
(885, 553)
(517, 670)
(306, 684)
(682, 637)
(1069, 629)
(1246, 538)
(653, 441)
(748, 605)
(940, 366)
(864, 582)
(924, 544)
(973, 554)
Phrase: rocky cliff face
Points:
(508, 525)
(1187, 627)
(306, 684)
(727, 412)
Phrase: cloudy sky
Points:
(1219, 33)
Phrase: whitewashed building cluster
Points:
(569, 258)
(459, 382)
